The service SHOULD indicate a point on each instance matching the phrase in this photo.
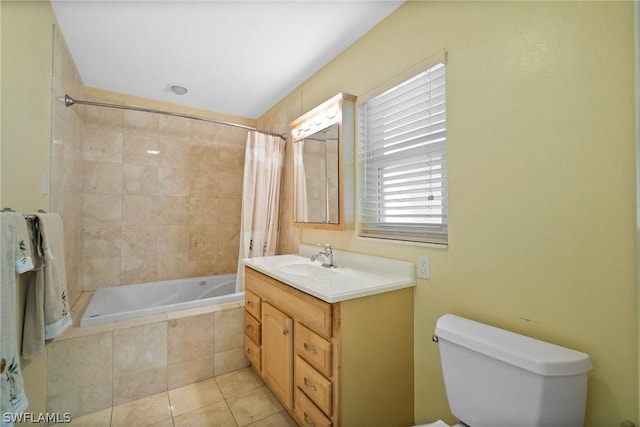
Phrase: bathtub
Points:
(143, 299)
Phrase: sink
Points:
(306, 269)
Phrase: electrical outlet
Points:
(424, 271)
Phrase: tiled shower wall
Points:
(66, 161)
(162, 197)
(131, 215)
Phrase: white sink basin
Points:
(358, 275)
(306, 269)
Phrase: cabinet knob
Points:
(308, 385)
(310, 349)
(285, 331)
(249, 328)
(308, 420)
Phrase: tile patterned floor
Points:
(236, 399)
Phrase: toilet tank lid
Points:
(537, 356)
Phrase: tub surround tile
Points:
(184, 373)
(228, 329)
(202, 183)
(139, 269)
(173, 239)
(203, 210)
(102, 241)
(190, 338)
(140, 321)
(204, 132)
(172, 266)
(102, 209)
(173, 182)
(103, 177)
(76, 331)
(203, 156)
(143, 412)
(173, 153)
(139, 348)
(140, 180)
(230, 158)
(139, 210)
(100, 144)
(194, 396)
(139, 240)
(230, 360)
(140, 149)
(171, 210)
(172, 315)
(175, 127)
(77, 363)
(98, 272)
(141, 122)
(81, 401)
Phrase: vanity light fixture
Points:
(153, 151)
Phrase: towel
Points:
(33, 326)
(57, 315)
(13, 400)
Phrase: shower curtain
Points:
(264, 157)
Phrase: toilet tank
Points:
(497, 378)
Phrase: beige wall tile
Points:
(103, 145)
(203, 211)
(139, 269)
(141, 122)
(184, 373)
(100, 271)
(171, 210)
(174, 153)
(81, 401)
(203, 156)
(172, 266)
(139, 240)
(173, 239)
(229, 184)
(140, 180)
(230, 158)
(230, 360)
(102, 209)
(139, 210)
(139, 349)
(136, 147)
(102, 241)
(102, 177)
(190, 338)
(176, 127)
(228, 329)
(173, 182)
(79, 362)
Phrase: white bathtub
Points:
(143, 299)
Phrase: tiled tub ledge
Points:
(97, 367)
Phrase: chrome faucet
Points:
(328, 254)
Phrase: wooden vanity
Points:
(347, 363)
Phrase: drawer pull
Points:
(249, 352)
(308, 420)
(285, 331)
(250, 303)
(310, 349)
(249, 328)
(309, 385)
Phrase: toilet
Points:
(497, 378)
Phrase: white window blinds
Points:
(402, 137)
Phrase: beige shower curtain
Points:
(264, 157)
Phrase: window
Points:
(402, 137)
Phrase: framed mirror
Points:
(323, 165)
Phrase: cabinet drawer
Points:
(309, 310)
(307, 413)
(313, 348)
(315, 386)
(252, 304)
(253, 353)
(252, 328)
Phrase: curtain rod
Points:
(69, 101)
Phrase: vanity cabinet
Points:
(332, 364)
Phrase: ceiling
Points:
(235, 57)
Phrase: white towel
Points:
(13, 400)
(33, 326)
(57, 313)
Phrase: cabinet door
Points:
(277, 352)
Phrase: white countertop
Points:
(357, 275)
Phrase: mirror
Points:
(316, 177)
(323, 165)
